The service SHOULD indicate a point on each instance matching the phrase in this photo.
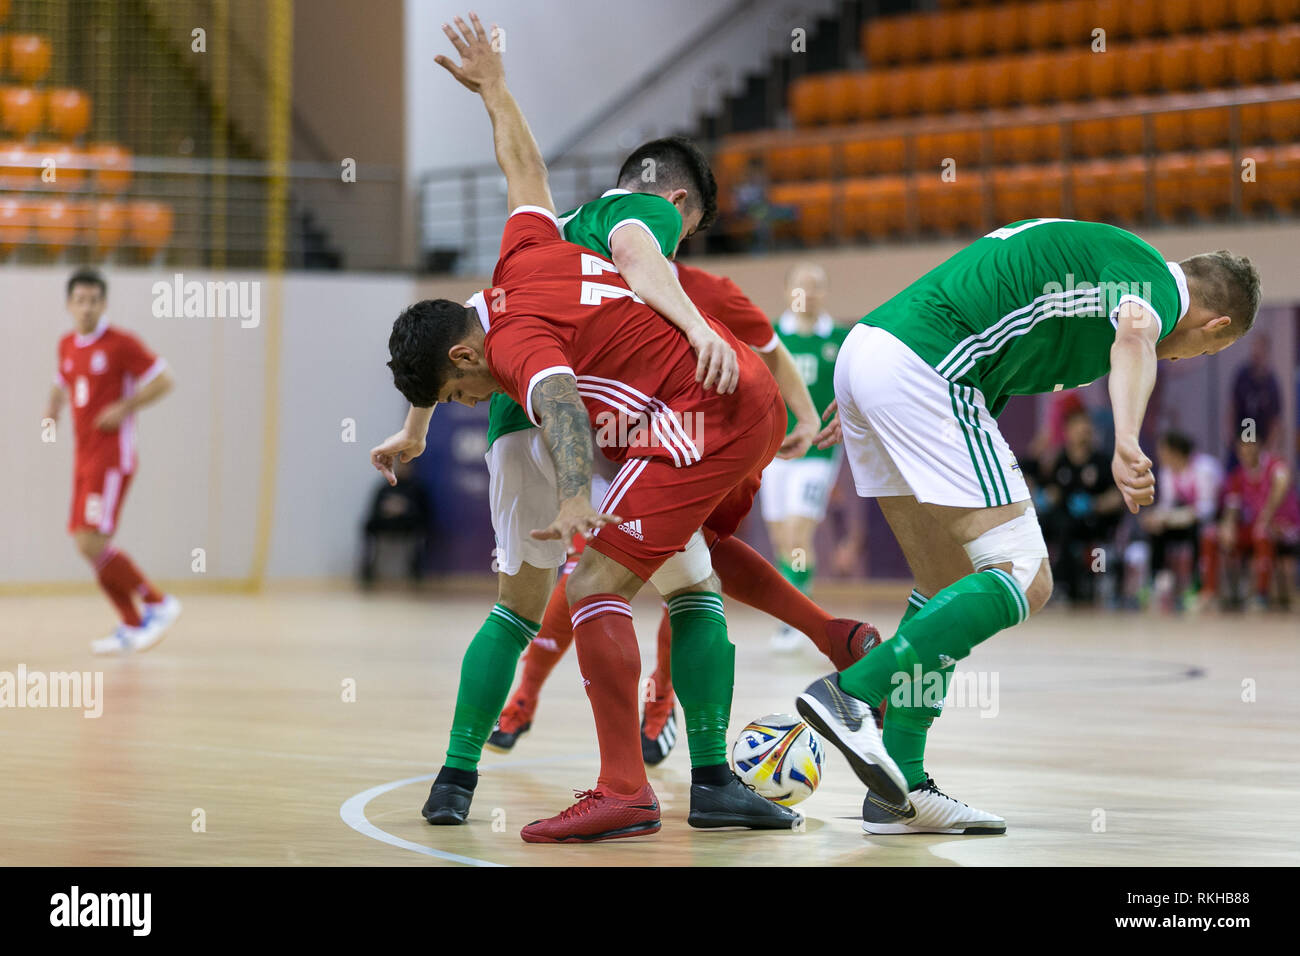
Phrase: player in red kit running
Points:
(108, 374)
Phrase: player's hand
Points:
(400, 447)
(717, 366)
(799, 440)
(831, 435)
(576, 516)
(1133, 475)
(480, 63)
(111, 417)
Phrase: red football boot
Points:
(598, 816)
(850, 642)
(513, 723)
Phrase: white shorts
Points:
(909, 431)
(797, 489)
(523, 496)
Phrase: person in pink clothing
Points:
(1261, 520)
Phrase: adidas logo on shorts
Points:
(633, 528)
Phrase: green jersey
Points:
(814, 356)
(1031, 307)
(590, 226)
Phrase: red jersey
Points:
(557, 308)
(1248, 492)
(721, 298)
(97, 370)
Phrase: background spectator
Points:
(1182, 522)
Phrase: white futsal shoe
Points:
(786, 640)
(128, 640)
(928, 810)
(163, 614)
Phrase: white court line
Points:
(353, 811)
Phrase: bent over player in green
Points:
(1036, 306)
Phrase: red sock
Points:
(114, 571)
(552, 641)
(661, 681)
(135, 581)
(750, 579)
(611, 669)
(1210, 561)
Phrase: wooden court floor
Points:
(1103, 740)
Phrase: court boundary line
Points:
(353, 811)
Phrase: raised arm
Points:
(1132, 377)
(557, 408)
(481, 71)
(642, 265)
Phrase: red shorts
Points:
(97, 495)
(662, 506)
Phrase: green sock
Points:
(908, 724)
(485, 675)
(704, 670)
(959, 617)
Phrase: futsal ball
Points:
(781, 757)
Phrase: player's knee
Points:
(1039, 591)
(1016, 546)
(91, 546)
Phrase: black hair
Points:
(418, 344)
(1178, 443)
(87, 277)
(673, 162)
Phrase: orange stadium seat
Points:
(1190, 183)
(1026, 144)
(1284, 54)
(808, 101)
(1111, 16)
(967, 86)
(1284, 11)
(14, 173)
(4, 47)
(1277, 121)
(730, 164)
(1037, 77)
(1028, 192)
(949, 207)
(941, 35)
(1074, 21)
(29, 57)
(811, 203)
(22, 110)
(1110, 190)
(56, 224)
(1214, 14)
(1037, 25)
(976, 30)
(1208, 127)
(1283, 185)
(883, 154)
(1008, 35)
(151, 225)
(799, 161)
(901, 96)
(1103, 72)
(999, 81)
(934, 87)
(1170, 130)
(107, 222)
(1213, 60)
(68, 167)
(15, 224)
(1248, 57)
(1247, 13)
(875, 207)
(1176, 16)
(1106, 135)
(932, 149)
(1176, 64)
(67, 113)
(111, 165)
(1137, 74)
(1142, 18)
(837, 90)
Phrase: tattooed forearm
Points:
(567, 431)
